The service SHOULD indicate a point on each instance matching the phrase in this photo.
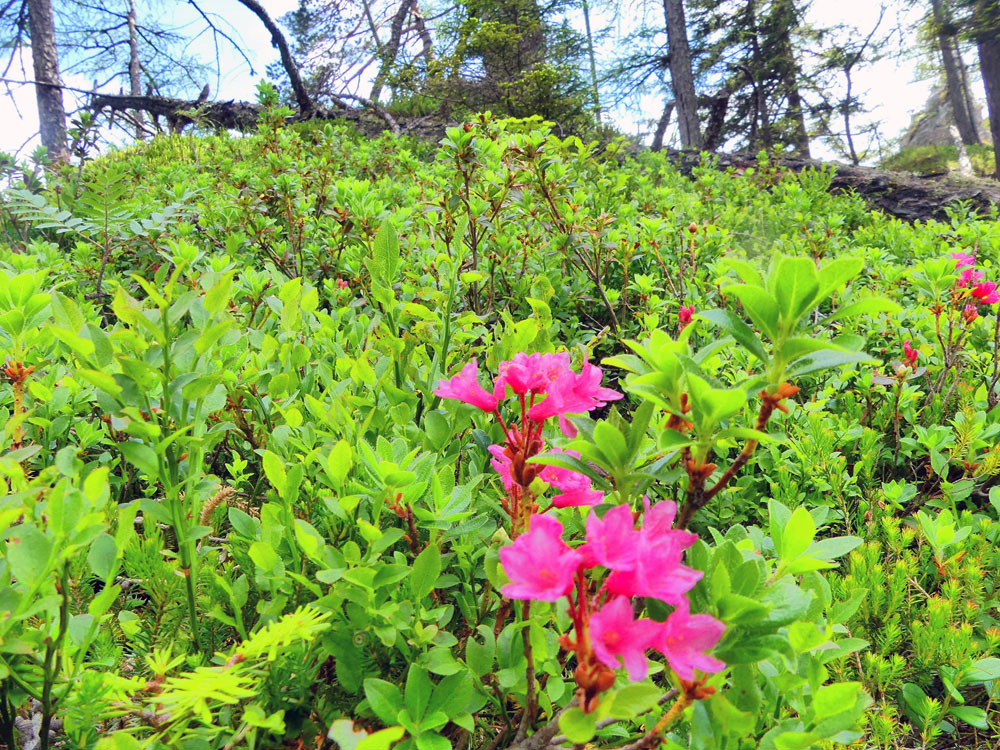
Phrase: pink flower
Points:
(539, 564)
(612, 540)
(616, 636)
(685, 315)
(531, 373)
(968, 277)
(970, 313)
(986, 293)
(576, 487)
(342, 283)
(963, 259)
(684, 638)
(465, 387)
(910, 354)
(570, 393)
(658, 571)
(502, 464)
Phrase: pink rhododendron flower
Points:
(970, 313)
(909, 353)
(465, 387)
(576, 487)
(502, 463)
(342, 284)
(684, 638)
(658, 572)
(539, 564)
(612, 540)
(685, 315)
(963, 259)
(573, 394)
(531, 373)
(616, 636)
(968, 277)
(986, 293)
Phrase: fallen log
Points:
(906, 196)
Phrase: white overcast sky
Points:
(888, 87)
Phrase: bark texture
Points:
(954, 75)
(279, 42)
(48, 94)
(899, 194)
(988, 44)
(134, 69)
(681, 76)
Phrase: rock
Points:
(932, 126)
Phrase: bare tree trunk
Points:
(391, 48)
(48, 94)
(988, 44)
(661, 126)
(134, 70)
(279, 42)
(681, 75)
(593, 60)
(427, 45)
(847, 121)
(951, 60)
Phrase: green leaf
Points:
(426, 569)
(338, 463)
(384, 698)
(28, 554)
(274, 470)
(739, 330)
(796, 288)
(218, 296)
(577, 726)
(971, 715)
(385, 254)
(831, 549)
(102, 555)
(141, 456)
(418, 691)
(610, 441)
(834, 275)
(798, 534)
(480, 656)
(760, 306)
(796, 741)
(833, 699)
(983, 670)
(867, 306)
(824, 359)
(634, 700)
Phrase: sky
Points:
(888, 87)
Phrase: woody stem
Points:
(531, 707)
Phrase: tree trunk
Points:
(279, 42)
(134, 70)
(661, 126)
(48, 94)
(593, 60)
(391, 48)
(681, 76)
(988, 44)
(955, 86)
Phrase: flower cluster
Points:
(910, 354)
(685, 316)
(981, 292)
(644, 562)
(546, 386)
